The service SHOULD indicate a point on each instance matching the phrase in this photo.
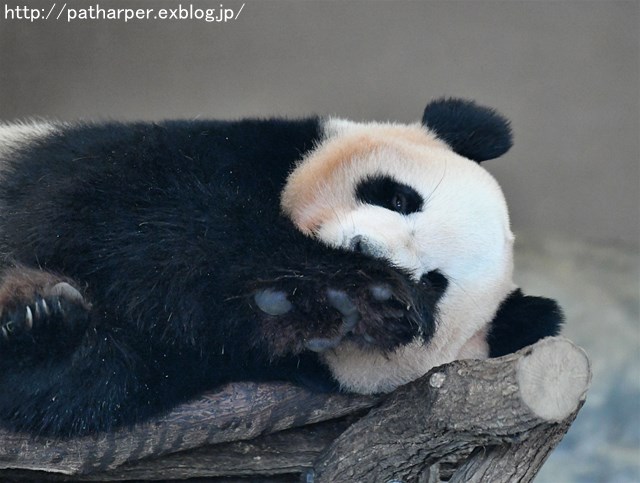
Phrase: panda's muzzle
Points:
(361, 244)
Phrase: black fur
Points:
(386, 192)
(522, 320)
(168, 230)
(475, 132)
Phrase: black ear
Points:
(522, 320)
(475, 132)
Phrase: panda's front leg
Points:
(41, 313)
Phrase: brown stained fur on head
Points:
(324, 175)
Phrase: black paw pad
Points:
(341, 301)
(381, 293)
(272, 302)
(350, 316)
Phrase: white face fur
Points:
(462, 230)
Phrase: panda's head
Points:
(416, 196)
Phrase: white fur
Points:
(462, 231)
(12, 136)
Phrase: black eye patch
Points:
(386, 192)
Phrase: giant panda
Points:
(144, 263)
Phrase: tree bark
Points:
(472, 421)
(240, 411)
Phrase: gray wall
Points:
(565, 72)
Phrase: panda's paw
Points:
(38, 309)
(352, 326)
(372, 316)
(340, 301)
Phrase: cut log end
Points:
(553, 378)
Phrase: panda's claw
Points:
(45, 307)
(34, 322)
(28, 320)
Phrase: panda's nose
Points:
(360, 244)
(356, 244)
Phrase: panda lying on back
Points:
(145, 263)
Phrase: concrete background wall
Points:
(565, 72)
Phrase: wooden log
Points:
(517, 402)
(506, 413)
(240, 411)
(284, 453)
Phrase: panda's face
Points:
(397, 192)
